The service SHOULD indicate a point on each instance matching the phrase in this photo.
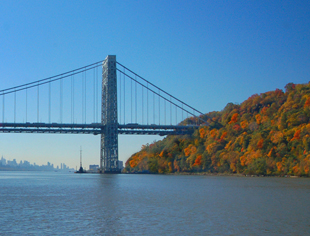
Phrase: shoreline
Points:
(218, 174)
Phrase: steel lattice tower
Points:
(109, 138)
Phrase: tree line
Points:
(267, 134)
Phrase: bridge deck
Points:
(94, 128)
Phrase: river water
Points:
(52, 203)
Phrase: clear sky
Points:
(206, 53)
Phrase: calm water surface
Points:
(50, 203)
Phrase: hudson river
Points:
(51, 203)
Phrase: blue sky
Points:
(206, 53)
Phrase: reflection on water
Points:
(54, 203)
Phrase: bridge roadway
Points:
(94, 128)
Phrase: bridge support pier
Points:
(109, 138)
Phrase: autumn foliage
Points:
(267, 134)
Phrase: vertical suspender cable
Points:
(170, 112)
(26, 104)
(61, 101)
(94, 97)
(38, 105)
(73, 99)
(97, 94)
(49, 102)
(159, 107)
(3, 98)
(136, 106)
(131, 101)
(82, 98)
(176, 114)
(165, 111)
(15, 106)
(120, 97)
(153, 108)
(124, 97)
(147, 104)
(142, 105)
(85, 96)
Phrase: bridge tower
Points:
(109, 138)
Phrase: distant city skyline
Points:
(24, 164)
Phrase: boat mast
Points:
(80, 156)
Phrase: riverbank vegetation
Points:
(268, 134)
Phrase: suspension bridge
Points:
(88, 100)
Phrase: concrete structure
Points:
(93, 167)
(120, 165)
(109, 137)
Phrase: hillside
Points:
(268, 134)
